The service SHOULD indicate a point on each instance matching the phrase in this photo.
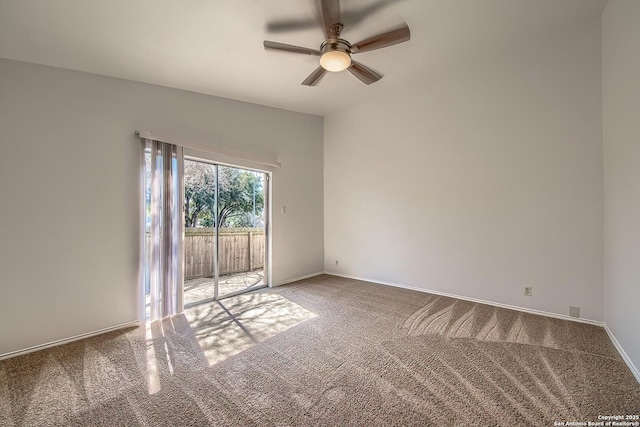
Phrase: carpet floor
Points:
(326, 351)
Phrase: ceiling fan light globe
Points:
(335, 61)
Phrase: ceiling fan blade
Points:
(285, 25)
(399, 35)
(314, 77)
(330, 12)
(290, 48)
(364, 73)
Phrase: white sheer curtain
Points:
(163, 228)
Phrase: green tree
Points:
(237, 191)
(199, 191)
(240, 194)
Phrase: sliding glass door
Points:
(200, 243)
(225, 240)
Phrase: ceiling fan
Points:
(335, 53)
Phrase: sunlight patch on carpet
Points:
(242, 321)
(153, 379)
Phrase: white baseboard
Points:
(480, 301)
(295, 279)
(623, 354)
(67, 340)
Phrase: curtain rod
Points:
(270, 159)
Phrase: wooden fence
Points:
(240, 250)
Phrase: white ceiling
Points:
(215, 46)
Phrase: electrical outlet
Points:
(284, 209)
(337, 263)
(528, 291)
(574, 311)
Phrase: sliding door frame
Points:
(210, 159)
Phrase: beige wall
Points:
(482, 179)
(621, 131)
(69, 163)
